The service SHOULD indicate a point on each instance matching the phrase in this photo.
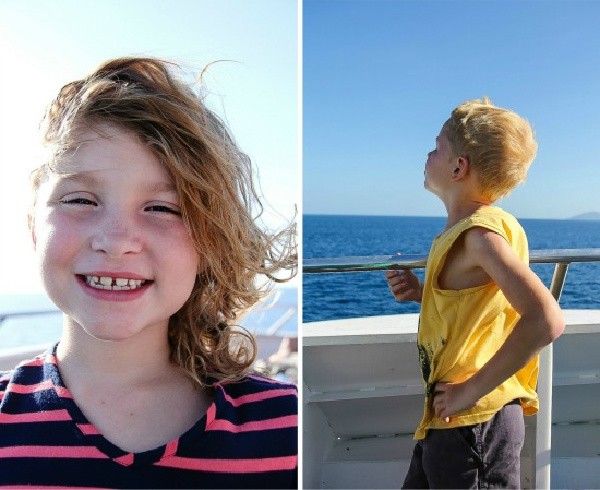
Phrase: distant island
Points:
(589, 216)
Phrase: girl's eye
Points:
(159, 208)
(78, 200)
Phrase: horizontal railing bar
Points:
(12, 314)
(415, 261)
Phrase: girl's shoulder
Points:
(28, 372)
(255, 398)
(254, 386)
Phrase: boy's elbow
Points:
(555, 324)
(549, 324)
(557, 327)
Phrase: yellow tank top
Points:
(460, 330)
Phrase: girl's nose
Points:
(116, 237)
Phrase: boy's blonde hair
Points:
(219, 204)
(498, 143)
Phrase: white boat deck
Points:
(363, 399)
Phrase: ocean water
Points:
(361, 294)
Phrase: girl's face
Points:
(113, 251)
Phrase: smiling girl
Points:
(144, 225)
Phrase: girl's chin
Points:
(111, 333)
(109, 337)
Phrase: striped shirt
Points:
(247, 439)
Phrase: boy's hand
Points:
(405, 285)
(451, 398)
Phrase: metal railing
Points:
(28, 313)
(561, 257)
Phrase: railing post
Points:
(543, 456)
(543, 439)
(558, 280)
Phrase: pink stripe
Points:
(50, 416)
(88, 430)
(33, 362)
(276, 423)
(62, 392)
(40, 361)
(257, 397)
(171, 448)
(51, 452)
(45, 385)
(211, 413)
(125, 460)
(259, 465)
(18, 388)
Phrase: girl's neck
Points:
(130, 361)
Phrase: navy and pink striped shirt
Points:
(247, 439)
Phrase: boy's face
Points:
(113, 251)
(440, 164)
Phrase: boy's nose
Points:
(116, 237)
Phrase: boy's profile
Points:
(485, 315)
(144, 225)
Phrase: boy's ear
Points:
(461, 168)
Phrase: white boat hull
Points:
(363, 399)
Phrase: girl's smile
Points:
(118, 286)
(114, 253)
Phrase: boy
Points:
(485, 315)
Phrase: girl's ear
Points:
(31, 226)
(461, 169)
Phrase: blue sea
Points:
(361, 294)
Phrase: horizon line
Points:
(577, 217)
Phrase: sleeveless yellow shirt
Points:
(460, 330)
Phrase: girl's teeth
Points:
(106, 281)
(113, 284)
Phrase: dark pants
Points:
(485, 455)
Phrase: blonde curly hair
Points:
(219, 204)
(499, 144)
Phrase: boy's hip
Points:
(483, 455)
(510, 392)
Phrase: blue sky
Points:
(45, 44)
(381, 77)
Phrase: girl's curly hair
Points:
(219, 204)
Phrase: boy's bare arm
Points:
(405, 285)
(541, 322)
